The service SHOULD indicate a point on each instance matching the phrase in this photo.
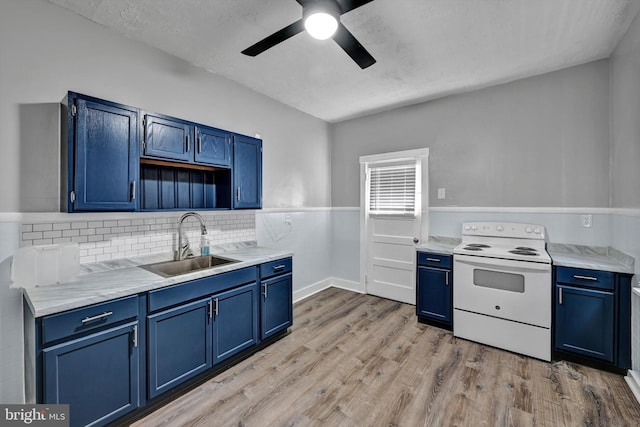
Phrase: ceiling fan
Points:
(321, 19)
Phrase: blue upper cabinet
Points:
(168, 138)
(247, 172)
(213, 146)
(102, 155)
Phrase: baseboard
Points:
(633, 380)
(329, 282)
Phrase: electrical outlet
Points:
(287, 219)
(441, 193)
(587, 221)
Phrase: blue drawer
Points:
(184, 292)
(89, 318)
(274, 268)
(587, 278)
(435, 260)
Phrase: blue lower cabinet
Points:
(178, 345)
(584, 322)
(97, 375)
(276, 305)
(235, 321)
(434, 294)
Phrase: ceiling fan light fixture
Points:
(321, 25)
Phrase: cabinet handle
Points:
(135, 335)
(99, 316)
(199, 144)
(595, 279)
(215, 310)
(210, 309)
(238, 194)
(133, 191)
(188, 144)
(560, 296)
(279, 267)
(264, 285)
(446, 278)
(433, 259)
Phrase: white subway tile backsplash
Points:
(118, 237)
(42, 227)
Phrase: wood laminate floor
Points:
(359, 360)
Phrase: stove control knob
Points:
(528, 229)
(467, 227)
(474, 227)
(500, 228)
(537, 231)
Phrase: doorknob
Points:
(416, 240)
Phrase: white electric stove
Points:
(502, 287)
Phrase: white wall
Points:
(47, 51)
(540, 141)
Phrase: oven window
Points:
(498, 280)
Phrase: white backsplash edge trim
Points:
(34, 217)
(534, 210)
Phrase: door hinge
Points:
(144, 122)
(74, 110)
(72, 196)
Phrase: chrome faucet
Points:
(184, 251)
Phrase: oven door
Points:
(513, 290)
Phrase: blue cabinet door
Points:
(96, 375)
(178, 345)
(247, 172)
(584, 322)
(104, 156)
(434, 294)
(235, 321)
(276, 305)
(168, 138)
(213, 146)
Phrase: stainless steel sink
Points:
(176, 268)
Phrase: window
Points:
(392, 190)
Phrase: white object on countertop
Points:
(45, 265)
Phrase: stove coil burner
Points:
(524, 248)
(472, 248)
(478, 245)
(523, 252)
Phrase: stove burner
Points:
(524, 248)
(477, 245)
(522, 252)
(472, 248)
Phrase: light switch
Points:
(287, 219)
(441, 193)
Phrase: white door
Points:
(394, 191)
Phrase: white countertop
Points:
(119, 278)
(592, 258)
(439, 245)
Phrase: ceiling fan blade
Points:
(352, 46)
(348, 5)
(275, 38)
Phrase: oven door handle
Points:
(498, 264)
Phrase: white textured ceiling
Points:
(424, 48)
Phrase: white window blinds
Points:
(392, 190)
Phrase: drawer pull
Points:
(595, 279)
(99, 316)
(279, 267)
(433, 259)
